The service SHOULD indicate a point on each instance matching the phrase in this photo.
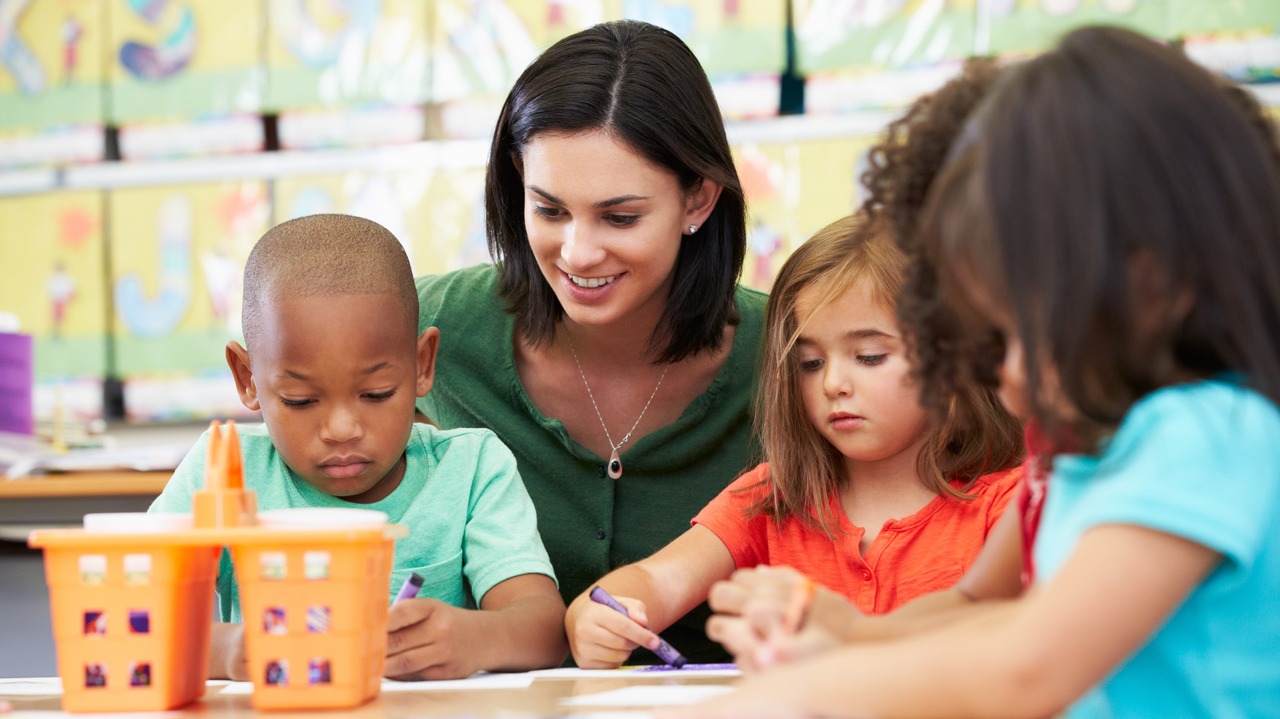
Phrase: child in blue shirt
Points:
(333, 361)
(1113, 212)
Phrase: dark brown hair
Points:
(643, 86)
(974, 435)
(1123, 206)
(901, 169)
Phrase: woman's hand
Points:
(602, 638)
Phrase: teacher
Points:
(610, 347)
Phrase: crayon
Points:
(665, 651)
(410, 588)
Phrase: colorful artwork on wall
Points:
(334, 53)
(57, 288)
(177, 255)
(182, 59)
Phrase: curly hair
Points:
(1118, 206)
(901, 169)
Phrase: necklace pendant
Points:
(615, 466)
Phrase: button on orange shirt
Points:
(911, 556)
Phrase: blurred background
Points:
(146, 144)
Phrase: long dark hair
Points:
(642, 85)
(1123, 205)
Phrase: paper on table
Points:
(480, 680)
(657, 671)
(31, 687)
(650, 695)
(52, 686)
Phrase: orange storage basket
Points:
(315, 614)
(132, 610)
(131, 617)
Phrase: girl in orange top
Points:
(864, 490)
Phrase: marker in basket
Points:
(410, 588)
(665, 651)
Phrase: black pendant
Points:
(615, 465)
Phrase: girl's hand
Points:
(602, 638)
(427, 639)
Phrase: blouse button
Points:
(600, 472)
(866, 574)
(599, 532)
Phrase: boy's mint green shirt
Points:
(593, 524)
(471, 523)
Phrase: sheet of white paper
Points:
(634, 672)
(52, 686)
(31, 687)
(655, 695)
(481, 680)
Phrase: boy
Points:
(333, 362)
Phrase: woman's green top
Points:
(592, 524)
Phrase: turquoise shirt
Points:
(593, 524)
(471, 523)
(1199, 461)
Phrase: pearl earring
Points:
(693, 229)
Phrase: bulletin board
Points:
(730, 37)
(850, 34)
(793, 189)
(182, 59)
(395, 200)
(480, 47)
(51, 67)
(1024, 26)
(60, 294)
(177, 258)
(333, 53)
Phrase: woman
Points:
(610, 347)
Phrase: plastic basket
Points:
(131, 617)
(315, 614)
(131, 598)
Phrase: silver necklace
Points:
(615, 462)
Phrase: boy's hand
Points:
(227, 658)
(426, 639)
(602, 638)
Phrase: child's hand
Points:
(771, 615)
(227, 658)
(601, 638)
(427, 639)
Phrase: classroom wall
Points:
(145, 146)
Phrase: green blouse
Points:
(590, 523)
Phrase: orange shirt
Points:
(911, 556)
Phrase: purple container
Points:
(16, 380)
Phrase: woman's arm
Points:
(1026, 657)
(656, 591)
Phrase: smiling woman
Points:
(610, 347)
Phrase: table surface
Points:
(85, 484)
(542, 698)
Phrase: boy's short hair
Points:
(326, 255)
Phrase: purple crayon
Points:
(665, 651)
(410, 588)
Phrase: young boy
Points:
(334, 363)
